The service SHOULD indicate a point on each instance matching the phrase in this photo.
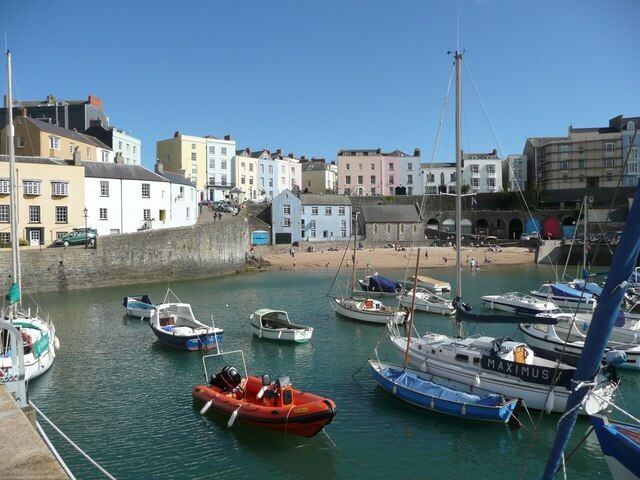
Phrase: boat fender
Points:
(478, 381)
(463, 410)
(233, 418)
(395, 389)
(423, 367)
(432, 405)
(548, 405)
(615, 358)
(56, 343)
(206, 407)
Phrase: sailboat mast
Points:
(458, 59)
(413, 310)
(12, 175)
(584, 243)
(353, 268)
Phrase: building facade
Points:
(220, 169)
(390, 223)
(439, 178)
(118, 140)
(186, 155)
(482, 172)
(373, 172)
(51, 199)
(319, 177)
(310, 217)
(514, 172)
(586, 158)
(246, 175)
(289, 171)
(183, 205)
(268, 174)
(630, 148)
(69, 114)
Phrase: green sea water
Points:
(126, 399)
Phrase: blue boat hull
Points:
(471, 411)
(620, 448)
(188, 342)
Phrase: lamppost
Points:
(86, 230)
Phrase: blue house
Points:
(310, 217)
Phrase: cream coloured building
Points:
(188, 154)
(319, 177)
(50, 198)
(39, 138)
(246, 174)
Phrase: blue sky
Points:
(313, 77)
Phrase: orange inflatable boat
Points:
(263, 403)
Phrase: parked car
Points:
(77, 236)
(534, 234)
(525, 236)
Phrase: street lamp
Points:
(86, 230)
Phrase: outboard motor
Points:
(228, 378)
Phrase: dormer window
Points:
(630, 125)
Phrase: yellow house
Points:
(246, 173)
(38, 138)
(185, 153)
(50, 199)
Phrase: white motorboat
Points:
(565, 341)
(427, 302)
(519, 303)
(175, 325)
(275, 325)
(369, 311)
(501, 366)
(566, 297)
(429, 283)
(139, 306)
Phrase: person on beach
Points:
(327, 265)
(426, 254)
(294, 264)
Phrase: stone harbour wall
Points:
(200, 251)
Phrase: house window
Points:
(60, 189)
(491, 182)
(409, 179)
(128, 146)
(194, 157)
(402, 228)
(105, 156)
(347, 166)
(373, 166)
(270, 169)
(223, 150)
(188, 213)
(60, 234)
(88, 153)
(632, 167)
(146, 190)
(283, 181)
(391, 180)
(212, 150)
(634, 153)
(312, 233)
(242, 180)
(388, 228)
(223, 180)
(223, 164)
(491, 169)
(286, 209)
(390, 166)
(5, 238)
(271, 182)
(631, 125)
(212, 164)
(54, 143)
(34, 213)
(347, 179)
(146, 214)
(608, 148)
(360, 167)
(409, 166)
(360, 181)
(62, 215)
(373, 190)
(375, 228)
(607, 162)
(134, 149)
(312, 224)
(5, 186)
(114, 231)
(4, 213)
(314, 210)
(564, 164)
(250, 180)
(373, 179)
(327, 210)
(104, 188)
(343, 224)
(251, 167)
(474, 168)
(341, 210)
(103, 214)
(475, 182)
(286, 222)
(19, 142)
(343, 233)
(32, 187)
(347, 191)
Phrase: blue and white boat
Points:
(566, 297)
(519, 304)
(425, 391)
(139, 306)
(378, 285)
(620, 444)
(175, 325)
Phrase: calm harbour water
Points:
(127, 400)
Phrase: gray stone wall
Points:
(200, 251)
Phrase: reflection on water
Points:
(127, 399)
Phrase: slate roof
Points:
(176, 178)
(389, 214)
(64, 132)
(40, 160)
(315, 199)
(119, 171)
(314, 166)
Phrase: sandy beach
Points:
(388, 258)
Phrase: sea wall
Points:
(199, 251)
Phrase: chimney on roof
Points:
(159, 167)
(76, 156)
(248, 150)
(279, 151)
(494, 152)
(97, 122)
(22, 112)
(95, 101)
(119, 158)
(227, 137)
(290, 155)
(51, 100)
(182, 173)
(303, 158)
(176, 134)
(416, 152)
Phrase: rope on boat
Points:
(331, 440)
(71, 442)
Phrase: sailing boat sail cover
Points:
(379, 283)
(463, 315)
(13, 295)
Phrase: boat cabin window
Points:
(433, 350)
(462, 358)
(635, 308)
(476, 360)
(541, 327)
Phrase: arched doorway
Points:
(551, 228)
(465, 226)
(533, 225)
(433, 224)
(482, 227)
(568, 227)
(449, 225)
(515, 228)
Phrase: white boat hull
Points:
(568, 303)
(498, 302)
(36, 366)
(429, 307)
(534, 395)
(139, 312)
(379, 318)
(283, 334)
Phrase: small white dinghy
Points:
(427, 302)
(275, 325)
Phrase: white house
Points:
(482, 172)
(128, 145)
(514, 172)
(288, 173)
(126, 198)
(183, 208)
(439, 177)
(220, 171)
